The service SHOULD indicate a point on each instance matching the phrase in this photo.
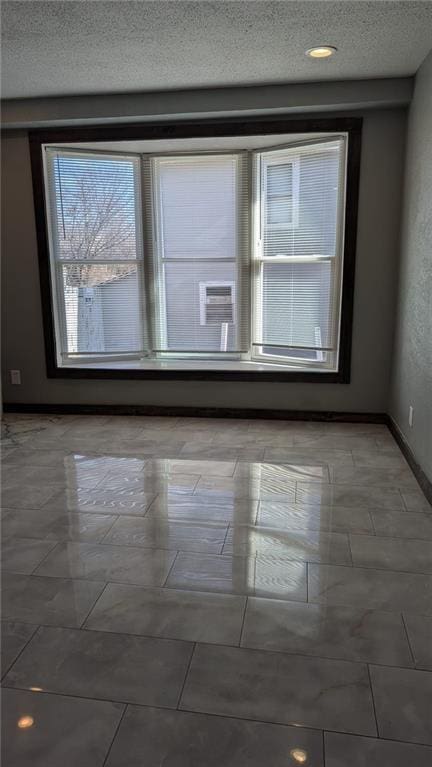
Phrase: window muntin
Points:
(292, 295)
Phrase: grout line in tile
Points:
(405, 505)
(93, 605)
(408, 640)
(396, 537)
(348, 535)
(374, 737)
(52, 498)
(108, 544)
(170, 569)
(228, 527)
(380, 569)
(84, 697)
(243, 621)
(222, 523)
(115, 519)
(116, 729)
(373, 523)
(283, 724)
(373, 699)
(270, 497)
(90, 630)
(198, 480)
(203, 713)
(387, 537)
(52, 549)
(186, 675)
(256, 555)
(36, 628)
(97, 486)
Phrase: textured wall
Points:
(412, 366)
(376, 272)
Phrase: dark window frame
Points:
(193, 129)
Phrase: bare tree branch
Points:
(99, 216)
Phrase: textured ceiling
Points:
(68, 48)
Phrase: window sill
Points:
(211, 370)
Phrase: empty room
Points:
(216, 447)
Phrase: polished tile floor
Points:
(213, 593)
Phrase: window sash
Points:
(58, 263)
(326, 355)
(160, 261)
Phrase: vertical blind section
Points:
(298, 254)
(201, 247)
(96, 252)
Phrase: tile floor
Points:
(213, 593)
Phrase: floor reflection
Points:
(219, 559)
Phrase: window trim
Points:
(191, 129)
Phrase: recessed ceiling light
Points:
(299, 755)
(25, 721)
(321, 51)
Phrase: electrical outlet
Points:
(410, 416)
(15, 377)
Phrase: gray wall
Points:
(293, 98)
(377, 257)
(412, 367)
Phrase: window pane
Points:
(313, 206)
(94, 205)
(279, 179)
(296, 304)
(102, 308)
(279, 210)
(198, 207)
(201, 306)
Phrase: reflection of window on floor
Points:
(171, 270)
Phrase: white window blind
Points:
(297, 259)
(201, 252)
(96, 253)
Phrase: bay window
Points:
(204, 258)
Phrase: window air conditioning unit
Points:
(217, 303)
